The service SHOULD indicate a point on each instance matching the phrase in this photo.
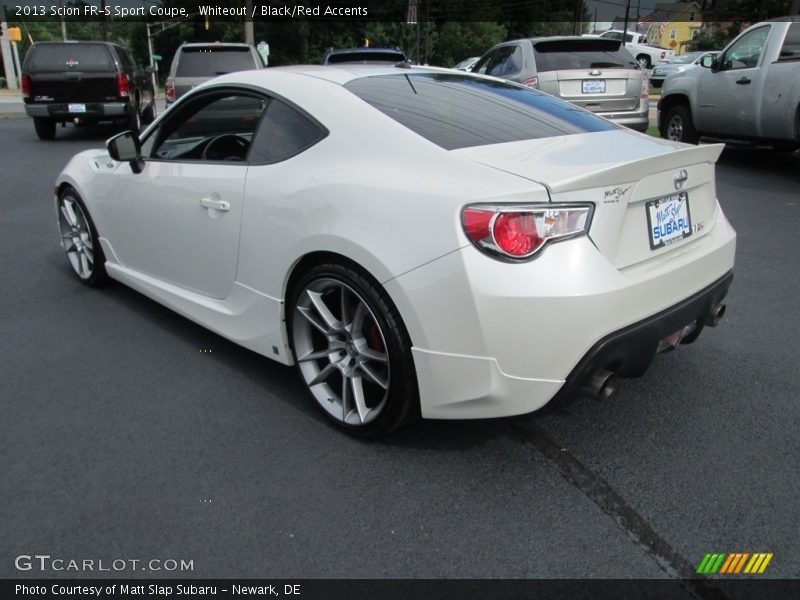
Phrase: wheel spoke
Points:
(345, 304)
(309, 315)
(314, 355)
(374, 376)
(346, 398)
(323, 375)
(69, 214)
(371, 354)
(84, 264)
(319, 304)
(358, 397)
(89, 253)
(358, 320)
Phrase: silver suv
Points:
(599, 75)
(195, 63)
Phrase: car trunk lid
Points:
(621, 173)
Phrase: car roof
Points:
(363, 50)
(342, 73)
(215, 44)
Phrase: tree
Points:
(457, 41)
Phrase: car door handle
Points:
(743, 81)
(220, 205)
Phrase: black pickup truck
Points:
(85, 82)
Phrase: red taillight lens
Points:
(123, 86)
(170, 90)
(532, 82)
(516, 234)
(26, 85)
(520, 231)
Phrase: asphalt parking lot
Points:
(129, 432)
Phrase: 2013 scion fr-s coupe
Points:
(417, 241)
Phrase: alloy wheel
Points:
(341, 351)
(76, 236)
(675, 128)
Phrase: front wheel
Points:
(678, 125)
(352, 350)
(80, 240)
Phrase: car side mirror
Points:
(125, 147)
(715, 64)
(707, 62)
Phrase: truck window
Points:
(746, 51)
(791, 45)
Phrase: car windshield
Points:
(210, 61)
(684, 59)
(461, 111)
(71, 57)
(564, 55)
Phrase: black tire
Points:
(149, 114)
(678, 125)
(45, 128)
(644, 61)
(399, 405)
(97, 276)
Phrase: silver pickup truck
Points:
(749, 92)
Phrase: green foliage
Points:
(458, 41)
(2, 82)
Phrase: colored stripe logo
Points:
(734, 563)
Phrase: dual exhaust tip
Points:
(603, 384)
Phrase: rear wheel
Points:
(45, 128)
(79, 239)
(352, 350)
(678, 125)
(644, 61)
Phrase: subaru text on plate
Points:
(417, 241)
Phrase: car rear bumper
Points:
(636, 121)
(495, 339)
(94, 110)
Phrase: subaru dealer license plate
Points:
(668, 220)
(594, 86)
(77, 108)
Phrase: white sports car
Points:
(417, 241)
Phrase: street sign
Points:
(14, 34)
(156, 57)
(263, 51)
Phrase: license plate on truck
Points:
(593, 86)
(668, 220)
(77, 108)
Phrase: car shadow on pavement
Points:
(81, 133)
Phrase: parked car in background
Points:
(364, 55)
(596, 74)
(417, 241)
(749, 92)
(677, 64)
(198, 62)
(466, 65)
(84, 82)
(636, 43)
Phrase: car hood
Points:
(589, 160)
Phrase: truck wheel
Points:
(644, 61)
(679, 126)
(45, 128)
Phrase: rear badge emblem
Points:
(595, 72)
(680, 179)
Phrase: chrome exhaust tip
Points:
(715, 315)
(601, 385)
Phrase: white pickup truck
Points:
(749, 92)
(636, 43)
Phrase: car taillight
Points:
(26, 85)
(521, 231)
(123, 86)
(663, 54)
(170, 90)
(531, 82)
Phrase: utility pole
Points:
(5, 46)
(249, 36)
(625, 27)
(61, 18)
(103, 23)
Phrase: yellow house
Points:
(674, 25)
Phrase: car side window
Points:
(791, 45)
(746, 51)
(284, 132)
(484, 63)
(213, 127)
(505, 61)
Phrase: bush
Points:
(2, 82)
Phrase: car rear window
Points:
(348, 57)
(210, 61)
(70, 57)
(460, 111)
(565, 55)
